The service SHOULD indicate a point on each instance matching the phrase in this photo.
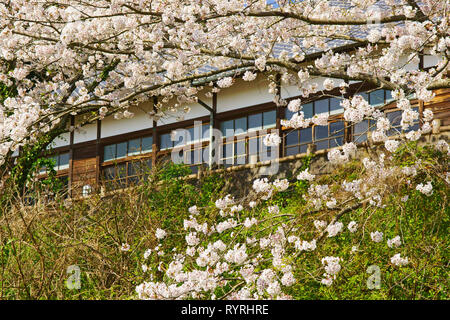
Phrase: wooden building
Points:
(118, 152)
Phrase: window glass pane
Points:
(335, 104)
(198, 155)
(109, 152)
(388, 95)
(308, 110)
(360, 127)
(121, 150)
(320, 106)
(240, 147)
(191, 135)
(288, 114)
(414, 127)
(205, 132)
(364, 95)
(148, 165)
(64, 161)
(227, 150)
(255, 122)
(303, 148)
(109, 173)
(178, 137)
(198, 133)
(165, 141)
(253, 146)
(241, 159)
(377, 97)
(133, 180)
(320, 145)
(205, 155)
(292, 138)
(269, 119)
(147, 143)
(291, 151)
(64, 181)
(134, 147)
(54, 161)
(360, 138)
(306, 135)
(240, 125)
(336, 142)
(133, 168)
(121, 170)
(227, 128)
(337, 128)
(394, 117)
(189, 157)
(320, 132)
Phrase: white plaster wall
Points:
(244, 94)
(294, 91)
(140, 121)
(196, 111)
(408, 67)
(86, 133)
(431, 61)
(61, 141)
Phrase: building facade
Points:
(113, 153)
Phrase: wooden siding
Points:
(84, 168)
(440, 106)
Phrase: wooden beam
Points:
(279, 116)
(71, 139)
(98, 153)
(155, 137)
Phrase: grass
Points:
(38, 243)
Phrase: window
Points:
(128, 148)
(329, 136)
(324, 137)
(327, 105)
(184, 136)
(360, 130)
(126, 173)
(61, 162)
(376, 97)
(250, 123)
(395, 116)
(333, 105)
(296, 141)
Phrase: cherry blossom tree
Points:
(64, 57)
(68, 57)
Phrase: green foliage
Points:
(38, 243)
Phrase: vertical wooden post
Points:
(98, 154)
(421, 103)
(212, 126)
(279, 115)
(71, 139)
(155, 138)
(421, 108)
(347, 131)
